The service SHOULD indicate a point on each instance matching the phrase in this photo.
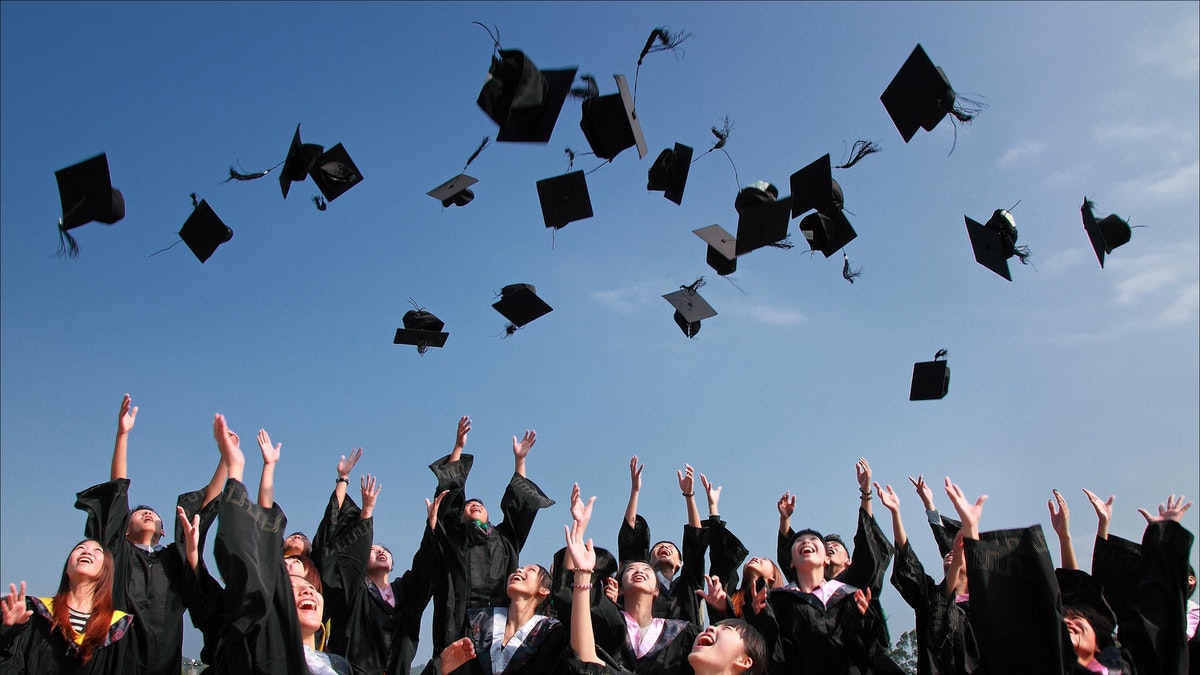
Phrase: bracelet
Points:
(342, 479)
(581, 587)
(581, 570)
(865, 496)
(688, 494)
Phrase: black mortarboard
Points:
(722, 249)
(454, 192)
(930, 380)
(520, 304)
(422, 329)
(300, 160)
(87, 195)
(762, 225)
(919, 96)
(610, 123)
(335, 173)
(827, 233)
(813, 187)
(523, 100)
(690, 308)
(670, 172)
(564, 199)
(758, 192)
(995, 242)
(203, 231)
(1105, 234)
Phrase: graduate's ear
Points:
(743, 662)
(542, 592)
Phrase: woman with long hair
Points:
(75, 631)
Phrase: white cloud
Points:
(1180, 183)
(1128, 131)
(623, 300)
(1145, 275)
(1064, 260)
(1185, 307)
(772, 316)
(1021, 151)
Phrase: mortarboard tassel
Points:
(494, 36)
(660, 40)
(785, 243)
(319, 201)
(589, 90)
(483, 144)
(694, 287)
(66, 243)
(234, 174)
(941, 354)
(859, 150)
(847, 273)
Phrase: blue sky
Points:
(1070, 376)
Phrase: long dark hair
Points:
(100, 619)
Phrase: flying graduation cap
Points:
(722, 249)
(995, 242)
(522, 99)
(520, 304)
(456, 191)
(669, 173)
(690, 307)
(610, 123)
(1105, 234)
(564, 199)
(814, 188)
(87, 195)
(930, 379)
(421, 329)
(920, 95)
(333, 171)
(762, 218)
(204, 231)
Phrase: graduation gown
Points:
(260, 632)
(372, 634)
(478, 562)
(32, 648)
(677, 600)
(945, 641)
(807, 636)
(155, 586)
(539, 653)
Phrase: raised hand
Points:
(786, 505)
(612, 589)
(635, 475)
(270, 454)
(12, 606)
(191, 536)
(862, 471)
(521, 448)
(888, 497)
(1060, 519)
(370, 488)
(580, 511)
(923, 491)
(713, 492)
(464, 428)
(714, 592)
(128, 415)
(1172, 510)
(346, 464)
(457, 654)
(968, 513)
(431, 509)
(1104, 509)
(687, 480)
(230, 446)
(582, 554)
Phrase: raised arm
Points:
(583, 559)
(966, 511)
(231, 449)
(1104, 511)
(786, 506)
(1060, 521)
(460, 438)
(120, 462)
(890, 501)
(370, 488)
(521, 450)
(344, 467)
(191, 541)
(687, 485)
(713, 492)
(635, 487)
(862, 471)
(270, 455)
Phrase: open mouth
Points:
(307, 605)
(705, 639)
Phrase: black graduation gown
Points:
(477, 563)
(32, 648)
(808, 637)
(539, 654)
(726, 553)
(945, 642)
(373, 635)
(207, 608)
(156, 587)
(260, 632)
(679, 599)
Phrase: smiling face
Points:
(717, 649)
(310, 606)
(144, 525)
(666, 556)
(296, 544)
(839, 557)
(809, 551)
(528, 581)
(638, 577)
(474, 510)
(1083, 638)
(86, 562)
(380, 560)
(761, 568)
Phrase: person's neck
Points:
(310, 639)
(666, 569)
(142, 540)
(379, 578)
(520, 611)
(809, 578)
(80, 597)
(639, 606)
(834, 570)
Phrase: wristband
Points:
(865, 496)
(583, 571)
(581, 587)
(688, 494)
(342, 479)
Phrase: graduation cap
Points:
(87, 195)
(690, 307)
(1105, 234)
(995, 242)
(669, 173)
(520, 304)
(610, 123)
(722, 249)
(421, 329)
(762, 224)
(920, 95)
(335, 173)
(204, 231)
(930, 379)
(299, 162)
(758, 192)
(813, 187)
(523, 100)
(564, 199)
(827, 233)
(454, 192)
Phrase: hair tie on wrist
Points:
(584, 571)
(581, 587)
(688, 494)
(342, 479)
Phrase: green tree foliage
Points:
(904, 654)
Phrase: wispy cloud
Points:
(1020, 152)
(1181, 182)
(1147, 275)
(1174, 50)
(772, 316)
(1129, 131)
(1064, 260)
(626, 300)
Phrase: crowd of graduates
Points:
(333, 604)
